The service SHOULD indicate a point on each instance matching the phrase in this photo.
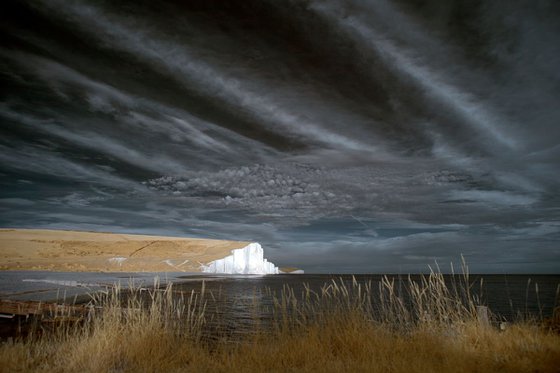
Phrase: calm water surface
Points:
(240, 300)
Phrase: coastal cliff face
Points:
(248, 260)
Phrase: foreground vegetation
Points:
(344, 327)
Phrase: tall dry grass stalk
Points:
(429, 326)
(424, 302)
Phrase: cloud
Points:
(493, 197)
(126, 113)
(412, 69)
(346, 136)
(77, 200)
(274, 109)
(295, 193)
(39, 161)
(418, 252)
(16, 201)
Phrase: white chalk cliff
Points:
(248, 261)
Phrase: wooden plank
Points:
(24, 308)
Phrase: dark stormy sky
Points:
(344, 136)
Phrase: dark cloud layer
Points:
(345, 136)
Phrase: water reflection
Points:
(236, 305)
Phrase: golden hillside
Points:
(58, 250)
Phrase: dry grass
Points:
(58, 250)
(343, 327)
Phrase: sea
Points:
(240, 300)
(235, 303)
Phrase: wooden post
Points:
(482, 316)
